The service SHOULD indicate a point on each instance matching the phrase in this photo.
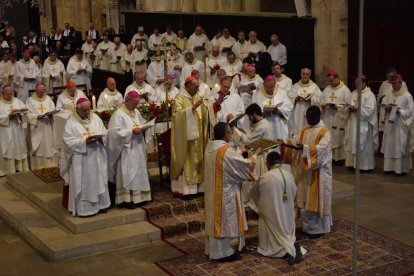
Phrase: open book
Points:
(270, 108)
(247, 88)
(51, 112)
(264, 144)
(18, 111)
(96, 136)
(148, 125)
(306, 97)
(234, 121)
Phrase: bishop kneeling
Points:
(83, 163)
(126, 146)
(42, 140)
(13, 151)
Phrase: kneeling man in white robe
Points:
(83, 164)
(274, 196)
(225, 219)
(126, 146)
(40, 116)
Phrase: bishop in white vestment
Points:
(53, 72)
(303, 94)
(368, 131)
(83, 164)
(26, 75)
(68, 98)
(398, 117)
(335, 113)
(225, 220)
(110, 97)
(79, 70)
(126, 146)
(42, 139)
(13, 151)
(144, 89)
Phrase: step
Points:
(48, 197)
(55, 242)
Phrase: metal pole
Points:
(358, 138)
(165, 81)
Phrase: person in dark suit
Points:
(92, 32)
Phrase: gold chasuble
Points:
(188, 138)
(312, 168)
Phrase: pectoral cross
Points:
(53, 70)
(88, 133)
(28, 68)
(304, 94)
(11, 109)
(270, 102)
(41, 108)
(232, 71)
(332, 97)
(355, 102)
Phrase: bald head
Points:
(215, 51)
(7, 93)
(111, 84)
(40, 90)
(305, 74)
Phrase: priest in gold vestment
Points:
(310, 154)
(188, 140)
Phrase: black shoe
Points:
(247, 249)
(137, 205)
(388, 172)
(298, 257)
(122, 205)
(289, 258)
(314, 236)
(103, 211)
(235, 257)
(400, 174)
(130, 205)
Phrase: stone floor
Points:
(386, 207)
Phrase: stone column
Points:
(46, 18)
(230, 5)
(187, 5)
(251, 5)
(331, 39)
(206, 6)
(113, 14)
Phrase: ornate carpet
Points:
(328, 255)
(48, 174)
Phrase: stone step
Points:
(55, 242)
(48, 197)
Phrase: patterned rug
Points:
(328, 255)
(48, 174)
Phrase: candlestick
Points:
(93, 103)
(106, 101)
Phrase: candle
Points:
(217, 87)
(93, 103)
(106, 101)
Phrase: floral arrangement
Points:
(160, 111)
(106, 115)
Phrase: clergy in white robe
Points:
(79, 70)
(188, 140)
(276, 106)
(240, 46)
(310, 155)
(140, 36)
(277, 50)
(368, 131)
(83, 163)
(169, 35)
(116, 55)
(144, 89)
(42, 140)
(225, 221)
(139, 57)
(226, 105)
(198, 43)
(54, 73)
(68, 98)
(155, 71)
(88, 49)
(247, 84)
(226, 42)
(254, 45)
(126, 146)
(175, 64)
(214, 63)
(303, 94)
(5, 76)
(126, 59)
(335, 113)
(13, 151)
(26, 75)
(274, 196)
(110, 97)
(160, 96)
(155, 40)
(282, 80)
(232, 65)
(398, 117)
(104, 52)
(189, 65)
(386, 88)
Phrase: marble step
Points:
(48, 197)
(55, 242)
